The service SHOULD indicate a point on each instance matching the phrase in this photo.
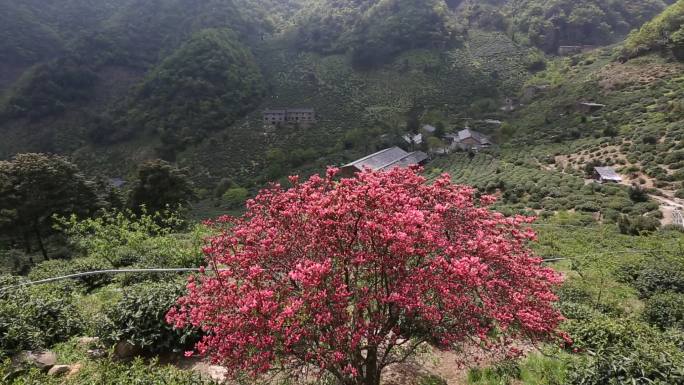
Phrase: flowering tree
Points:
(351, 276)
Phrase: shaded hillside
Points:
(359, 111)
(374, 31)
(550, 24)
(203, 86)
(663, 34)
(135, 84)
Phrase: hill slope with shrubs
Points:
(98, 94)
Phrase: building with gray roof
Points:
(384, 160)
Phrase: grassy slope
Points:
(346, 99)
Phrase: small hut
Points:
(606, 175)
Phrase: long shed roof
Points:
(388, 159)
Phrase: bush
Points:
(139, 318)
(665, 310)
(36, 317)
(644, 366)
(432, 380)
(235, 197)
(623, 352)
(661, 277)
(653, 275)
(636, 225)
(123, 239)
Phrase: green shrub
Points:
(124, 239)
(623, 352)
(235, 197)
(646, 365)
(665, 310)
(500, 374)
(139, 318)
(653, 275)
(660, 277)
(636, 225)
(35, 317)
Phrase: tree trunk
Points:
(372, 374)
(40, 242)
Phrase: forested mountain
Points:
(551, 23)
(172, 78)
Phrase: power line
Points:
(97, 272)
(122, 271)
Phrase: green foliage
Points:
(235, 197)
(205, 85)
(159, 186)
(25, 39)
(623, 351)
(111, 373)
(33, 318)
(535, 369)
(36, 187)
(120, 239)
(653, 275)
(635, 225)
(49, 89)
(665, 32)
(374, 31)
(390, 27)
(139, 318)
(665, 310)
(58, 268)
(550, 24)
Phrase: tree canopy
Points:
(665, 33)
(158, 186)
(351, 276)
(204, 85)
(36, 187)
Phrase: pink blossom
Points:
(332, 274)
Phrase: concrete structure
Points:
(569, 50)
(385, 160)
(606, 175)
(289, 116)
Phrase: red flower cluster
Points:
(350, 276)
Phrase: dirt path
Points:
(672, 208)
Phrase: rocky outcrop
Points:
(59, 370)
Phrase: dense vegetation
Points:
(663, 34)
(375, 31)
(203, 86)
(550, 24)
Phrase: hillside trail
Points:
(672, 209)
(671, 206)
